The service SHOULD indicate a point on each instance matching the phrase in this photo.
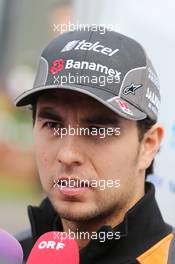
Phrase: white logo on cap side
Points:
(154, 102)
(153, 77)
(85, 45)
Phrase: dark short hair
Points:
(143, 126)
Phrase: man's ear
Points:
(150, 145)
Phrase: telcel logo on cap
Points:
(84, 45)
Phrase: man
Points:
(104, 88)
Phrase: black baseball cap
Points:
(111, 67)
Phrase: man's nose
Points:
(70, 151)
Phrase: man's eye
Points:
(92, 128)
(97, 128)
(52, 125)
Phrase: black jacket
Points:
(143, 226)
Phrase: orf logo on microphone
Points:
(51, 245)
(49, 251)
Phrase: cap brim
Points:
(108, 99)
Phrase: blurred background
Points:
(25, 29)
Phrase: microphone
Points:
(10, 249)
(56, 248)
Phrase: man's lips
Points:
(66, 182)
(71, 186)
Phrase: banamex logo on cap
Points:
(60, 64)
(57, 66)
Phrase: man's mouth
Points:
(71, 186)
(71, 183)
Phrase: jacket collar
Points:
(142, 227)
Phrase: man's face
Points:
(91, 158)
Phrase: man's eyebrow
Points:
(49, 113)
(103, 120)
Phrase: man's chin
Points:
(75, 211)
(76, 216)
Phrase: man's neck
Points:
(85, 228)
(91, 226)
